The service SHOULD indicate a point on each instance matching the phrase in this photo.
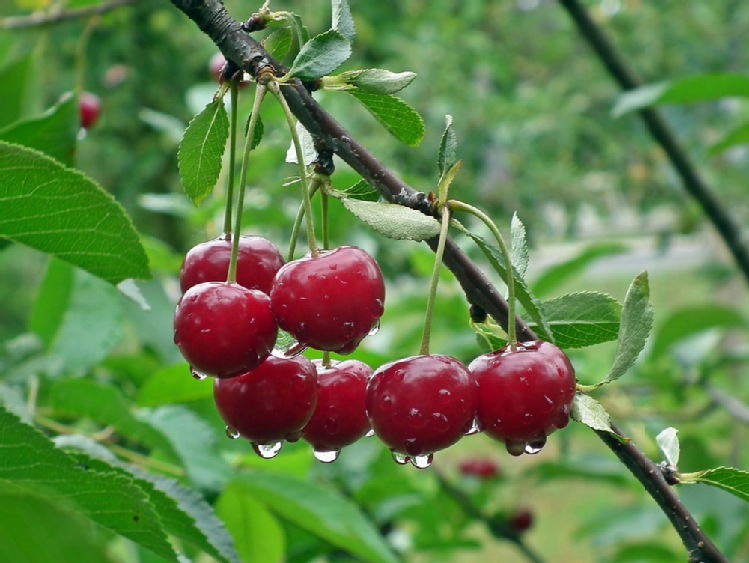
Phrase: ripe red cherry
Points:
(258, 260)
(330, 301)
(269, 404)
(224, 329)
(339, 419)
(89, 108)
(524, 394)
(479, 468)
(421, 404)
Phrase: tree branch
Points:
(42, 19)
(693, 183)
(237, 46)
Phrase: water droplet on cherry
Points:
(326, 456)
(399, 458)
(232, 433)
(369, 433)
(515, 447)
(267, 451)
(474, 429)
(422, 461)
(375, 328)
(534, 447)
(198, 375)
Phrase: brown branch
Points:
(693, 182)
(237, 46)
(42, 19)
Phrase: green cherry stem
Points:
(511, 329)
(444, 225)
(232, 158)
(259, 95)
(325, 220)
(275, 89)
(298, 223)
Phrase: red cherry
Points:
(258, 260)
(524, 394)
(421, 404)
(216, 68)
(89, 108)
(521, 520)
(479, 468)
(271, 403)
(224, 329)
(330, 301)
(339, 419)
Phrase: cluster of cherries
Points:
(331, 301)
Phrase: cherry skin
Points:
(224, 329)
(330, 301)
(480, 468)
(258, 260)
(339, 419)
(271, 403)
(524, 394)
(421, 404)
(89, 108)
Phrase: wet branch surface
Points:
(237, 46)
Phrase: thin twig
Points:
(41, 19)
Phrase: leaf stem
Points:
(445, 224)
(510, 281)
(232, 158)
(259, 95)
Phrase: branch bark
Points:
(237, 46)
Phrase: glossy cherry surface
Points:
(330, 301)
(258, 261)
(224, 329)
(524, 394)
(89, 109)
(339, 419)
(421, 404)
(270, 403)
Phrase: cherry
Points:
(216, 68)
(330, 301)
(521, 520)
(270, 403)
(421, 404)
(258, 260)
(339, 419)
(524, 394)
(224, 329)
(480, 468)
(89, 108)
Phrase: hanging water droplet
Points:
(534, 447)
(399, 458)
(288, 349)
(474, 429)
(326, 456)
(267, 451)
(515, 447)
(369, 433)
(232, 433)
(422, 461)
(199, 375)
(375, 328)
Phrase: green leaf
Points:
(734, 481)
(529, 302)
(54, 132)
(31, 463)
(738, 136)
(343, 23)
(299, 28)
(668, 442)
(394, 221)
(15, 84)
(78, 316)
(63, 213)
(322, 512)
(634, 328)
(448, 151)
(370, 81)
(278, 44)
(362, 190)
(558, 275)
(257, 533)
(518, 246)
(171, 385)
(400, 119)
(321, 55)
(588, 411)
(259, 131)
(689, 321)
(583, 319)
(201, 150)
(687, 90)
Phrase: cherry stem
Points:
(326, 359)
(511, 328)
(232, 158)
(298, 224)
(259, 95)
(307, 202)
(325, 220)
(426, 335)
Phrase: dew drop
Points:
(267, 451)
(199, 375)
(399, 458)
(534, 447)
(369, 433)
(375, 328)
(422, 461)
(232, 433)
(515, 447)
(474, 429)
(326, 456)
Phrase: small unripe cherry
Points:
(89, 108)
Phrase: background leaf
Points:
(394, 221)
(201, 151)
(588, 411)
(734, 481)
(400, 119)
(668, 442)
(343, 23)
(583, 319)
(15, 83)
(63, 213)
(361, 190)
(448, 151)
(321, 55)
(173, 384)
(737, 136)
(278, 44)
